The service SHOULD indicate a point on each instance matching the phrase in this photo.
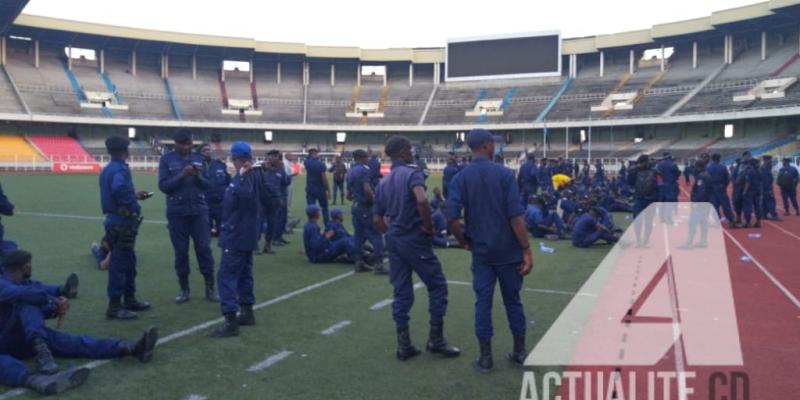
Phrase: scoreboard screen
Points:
(504, 57)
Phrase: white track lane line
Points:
(270, 361)
(177, 335)
(782, 230)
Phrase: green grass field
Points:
(357, 362)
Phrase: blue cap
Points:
(479, 136)
(336, 212)
(241, 150)
(312, 209)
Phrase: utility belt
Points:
(123, 236)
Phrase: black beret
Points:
(183, 136)
(16, 259)
(115, 143)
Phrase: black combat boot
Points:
(229, 328)
(131, 303)
(436, 342)
(246, 316)
(70, 288)
(183, 294)
(45, 363)
(361, 265)
(143, 349)
(484, 361)
(49, 385)
(405, 349)
(211, 291)
(116, 311)
(517, 357)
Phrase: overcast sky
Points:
(379, 24)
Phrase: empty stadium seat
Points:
(60, 148)
(16, 148)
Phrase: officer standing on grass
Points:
(241, 226)
(120, 205)
(182, 177)
(787, 182)
(317, 186)
(450, 170)
(218, 179)
(275, 180)
(497, 238)
(361, 192)
(374, 165)
(6, 208)
(401, 197)
(528, 179)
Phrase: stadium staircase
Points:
(689, 96)
(172, 101)
(621, 84)
(60, 148)
(564, 87)
(428, 105)
(660, 147)
(16, 149)
(112, 88)
(16, 89)
(786, 65)
(481, 118)
(382, 99)
(354, 98)
(642, 92)
(73, 81)
(507, 98)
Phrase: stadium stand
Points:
(60, 148)
(15, 148)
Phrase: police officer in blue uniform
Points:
(25, 304)
(702, 192)
(528, 179)
(718, 189)
(450, 170)
(738, 178)
(496, 236)
(668, 190)
(599, 173)
(317, 185)
(182, 177)
(768, 204)
(119, 202)
(589, 229)
(218, 180)
(787, 182)
(644, 181)
(276, 181)
(361, 192)
(401, 198)
(242, 209)
(374, 165)
(6, 208)
(751, 194)
(328, 247)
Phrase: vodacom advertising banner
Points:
(76, 167)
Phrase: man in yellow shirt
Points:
(561, 181)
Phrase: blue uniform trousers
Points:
(789, 195)
(593, 237)
(768, 206)
(317, 195)
(122, 265)
(181, 228)
(413, 253)
(552, 219)
(484, 279)
(719, 199)
(215, 215)
(738, 202)
(364, 229)
(283, 215)
(751, 204)
(28, 323)
(274, 229)
(235, 277)
(12, 371)
(338, 189)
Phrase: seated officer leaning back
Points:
(182, 177)
(400, 197)
(120, 205)
(497, 238)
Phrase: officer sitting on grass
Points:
(322, 248)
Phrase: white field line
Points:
(270, 361)
(335, 327)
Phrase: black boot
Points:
(70, 288)
(404, 348)
(116, 311)
(211, 291)
(53, 384)
(484, 361)
(361, 265)
(229, 328)
(131, 303)
(246, 316)
(437, 344)
(144, 347)
(517, 357)
(183, 294)
(45, 363)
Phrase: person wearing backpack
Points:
(339, 170)
(787, 182)
(644, 181)
(767, 191)
(738, 178)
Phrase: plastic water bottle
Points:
(545, 249)
(746, 259)
(754, 235)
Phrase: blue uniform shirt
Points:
(186, 195)
(701, 188)
(218, 180)
(276, 181)
(669, 172)
(314, 242)
(338, 229)
(449, 172)
(584, 226)
(117, 193)
(241, 213)
(533, 216)
(6, 208)
(394, 198)
(439, 223)
(719, 175)
(790, 170)
(314, 170)
(374, 165)
(765, 173)
(33, 293)
(358, 175)
(753, 180)
(487, 193)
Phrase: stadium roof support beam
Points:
(101, 61)
(602, 63)
(631, 57)
(333, 74)
(694, 54)
(36, 53)
(410, 74)
(437, 74)
(194, 67)
(278, 74)
(3, 50)
(133, 63)
(763, 45)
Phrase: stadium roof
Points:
(9, 10)
(83, 34)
